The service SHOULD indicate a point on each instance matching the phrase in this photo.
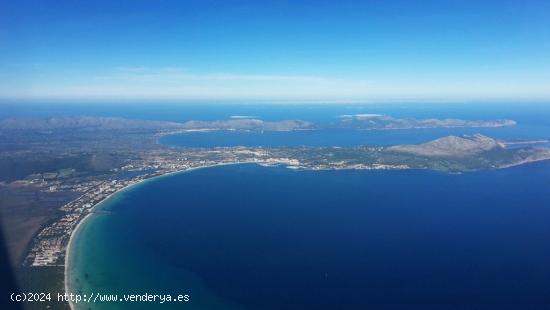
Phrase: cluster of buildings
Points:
(49, 246)
(347, 166)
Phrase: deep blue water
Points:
(271, 238)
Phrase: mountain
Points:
(381, 122)
(358, 121)
(450, 146)
(248, 124)
(118, 123)
(83, 122)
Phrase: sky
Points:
(275, 50)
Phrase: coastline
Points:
(99, 204)
(204, 174)
(87, 216)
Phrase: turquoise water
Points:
(252, 237)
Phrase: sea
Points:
(252, 237)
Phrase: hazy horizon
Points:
(275, 51)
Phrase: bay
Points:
(251, 237)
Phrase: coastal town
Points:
(49, 246)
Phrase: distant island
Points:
(381, 122)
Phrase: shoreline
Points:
(93, 208)
(87, 216)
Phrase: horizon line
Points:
(129, 100)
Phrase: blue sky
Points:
(276, 50)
